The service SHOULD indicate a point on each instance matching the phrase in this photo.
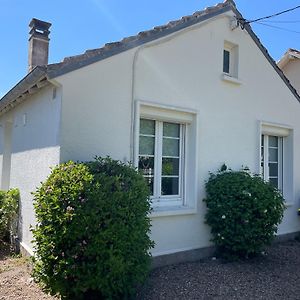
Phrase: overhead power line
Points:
(277, 27)
(282, 21)
(274, 15)
(243, 21)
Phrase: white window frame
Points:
(285, 156)
(233, 50)
(187, 202)
(266, 161)
(157, 198)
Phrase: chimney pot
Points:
(38, 43)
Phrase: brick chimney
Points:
(38, 43)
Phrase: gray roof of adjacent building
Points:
(40, 75)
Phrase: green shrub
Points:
(91, 239)
(243, 212)
(9, 203)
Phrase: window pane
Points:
(147, 126)
(169, 186)
(170, 147)
(172, 130)
(262, 140)
(273, 169)
(262, 169)
(273, 141)
(146, 145)
(146, 165)
(274, 182)
(226, 61)
(273, 155)
(149, 181)
(170, 166)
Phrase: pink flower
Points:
(70, 208)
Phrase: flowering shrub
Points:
(9, 203)
(91, 239)
(243, 212)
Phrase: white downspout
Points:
(135, 111)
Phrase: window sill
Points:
(230, 79)
(289, 204)
(172, 211)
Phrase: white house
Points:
(290, 65)
(192, 94)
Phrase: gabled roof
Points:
(290, 54)
(40, 75)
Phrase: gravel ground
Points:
(276, 275)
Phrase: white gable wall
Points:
(1, 150)
(34, 147)
(96, 111)
(184, 71)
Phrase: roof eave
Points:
(29, 85)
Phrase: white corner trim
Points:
(230, 79)
(289, 204)
(172, 211)
(27, 248)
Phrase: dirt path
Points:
(15, 280)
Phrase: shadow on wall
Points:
(6, 159)
(35, 122)
(19, 227)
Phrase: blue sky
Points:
(78, 25)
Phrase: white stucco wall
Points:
(2, 130)
(94, 111)
(34, 148)
(292, 72)
(1, 149)
(184, 70)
